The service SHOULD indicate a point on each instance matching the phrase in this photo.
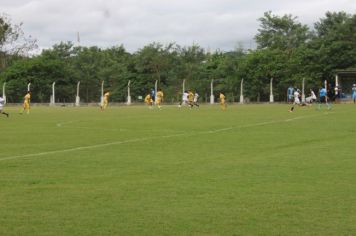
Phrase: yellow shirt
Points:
(106, 96)
(27, 98)
(222, 97)
(190, 96)
(159, 95)
(148, 98)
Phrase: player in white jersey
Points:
(195, 100)
(312, 98)
(296, 96)
(2, 102)
(184, 99)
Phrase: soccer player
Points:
(222, 101)
(312, 98)
(2, 102)
(190, 99)
(354, 92)
(159, 98)
(153, 95)
(195, 101)
(296, 96)
(149, 101)
(290, 93)
(26, 103)
(323, 98)
(106, 100)
(184, 99)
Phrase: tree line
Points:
(287, 51)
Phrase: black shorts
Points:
(323, 99)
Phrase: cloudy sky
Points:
(213, 24)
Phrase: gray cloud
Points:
(210, 23)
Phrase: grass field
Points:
(249, 170)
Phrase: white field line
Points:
(80, 148)
(89, 128)
(66, 123)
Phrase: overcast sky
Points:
(213, 24)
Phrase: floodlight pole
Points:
(28, 87)
(77, 98)
(128, 93)
(156, 88)
(102, 94)
(3, 92)
(53, 98)
(212, 92)
(271, 97)
(242, 92)
(303, 90)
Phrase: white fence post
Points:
(77, 98)
(303, 90)
(3, 92)
(242, 92)
(53, 98)
(271, 97)
(212, 92)
(102, 94)
(128, 93)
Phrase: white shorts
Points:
(296, 101)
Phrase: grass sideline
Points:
(249, 170)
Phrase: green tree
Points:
(13, 42)
(283, 33)
(153, 62)
(334, 43)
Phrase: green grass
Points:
(249, 170)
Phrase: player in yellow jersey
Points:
(105, 100)
(190, 98)
(149, 101)
(222, 101)
(26, 103)
(159, 98)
